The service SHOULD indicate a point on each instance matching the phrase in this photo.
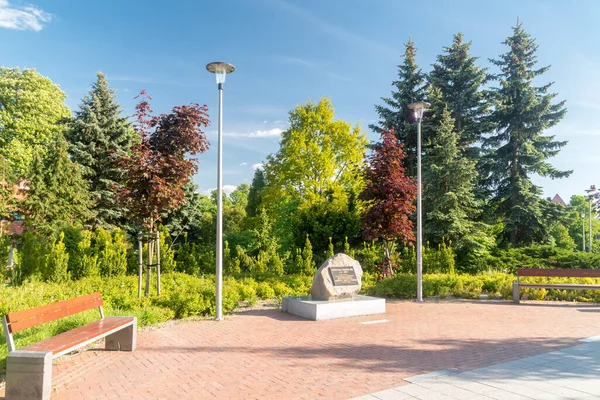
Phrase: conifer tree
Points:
(460, 81)
(395, 115)
(98, 137)
(449, 182)
(57, 194)
(518, 146)
(255, 194)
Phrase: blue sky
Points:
(287, 51)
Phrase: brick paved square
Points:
(267, 354)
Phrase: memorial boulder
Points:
(339, 277)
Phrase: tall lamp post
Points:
(418, 108)
(583, 228)
(590, 192)
(220, 69)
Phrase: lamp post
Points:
(418, 109)
(583, 229)
(220, 69)
(590, 192)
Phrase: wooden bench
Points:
(556, 272)
(29, 369)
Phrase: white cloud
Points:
(242, 164)
(258, 166)
(264, 122)
(266, 133)
(22, 18)
(228, 189)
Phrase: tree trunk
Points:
(387, 269)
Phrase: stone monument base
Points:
(305, 307)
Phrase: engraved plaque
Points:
(343, 276)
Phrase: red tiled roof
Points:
(558, 199)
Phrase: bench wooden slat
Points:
(559, 286)
(72, 339)
(19, 320)
(43, 318)
(560, 272)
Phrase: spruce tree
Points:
(98, 137)
(518, 145)
(395, 115)
(449, 182)
(57, 194)
(460, 81)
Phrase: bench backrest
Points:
(559, 272)
(19, 320)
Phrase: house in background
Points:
(557, 199)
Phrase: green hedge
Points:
(539, 256)
(499, 285)
(403, 286)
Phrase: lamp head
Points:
(220, 69)
(418, 108)
(582, 214)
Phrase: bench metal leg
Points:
(29, 375)
(124, 340)
(516, 293)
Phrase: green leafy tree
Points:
(395, 115)
(7, 183)
(32, 109)
(319, 158)
(234, 213)
(460, 81)
(99, 135)
(57, 195)
(518, 146)
(577, 205)
(318, 165)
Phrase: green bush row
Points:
(496, 285)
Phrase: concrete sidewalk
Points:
(569, 373)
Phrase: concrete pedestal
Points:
(305, 307)
(28, 375)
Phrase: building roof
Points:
(559, 200)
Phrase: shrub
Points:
(57, 262)
(84, 261)
(33, 256)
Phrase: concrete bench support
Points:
(124, 339)
(28, 375)
(516, 294)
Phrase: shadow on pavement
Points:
(424, 356)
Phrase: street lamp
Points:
(220, 69)
(418, 108)
(583, 227)
(590, 192)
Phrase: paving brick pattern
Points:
(266, 354)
